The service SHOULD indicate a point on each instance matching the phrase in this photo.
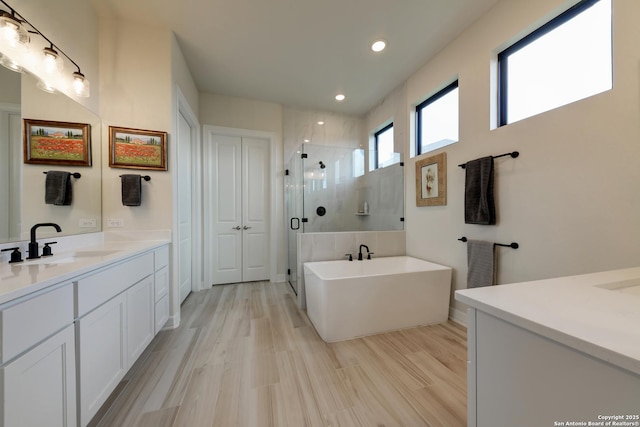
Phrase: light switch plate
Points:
(87, 223)
(115, 223)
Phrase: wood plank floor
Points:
(245, 355)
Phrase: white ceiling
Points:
(301, 53)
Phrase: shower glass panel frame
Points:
(325, 191)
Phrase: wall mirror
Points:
(22, 186)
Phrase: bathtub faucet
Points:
(360, 252)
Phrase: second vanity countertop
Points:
(20, 279)
(598, 313)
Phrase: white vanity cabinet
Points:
(516, 377)
(115, 324)
(67, 344)
(161, 287)
(38, 371)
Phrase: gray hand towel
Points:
(481, 263)
(131, 190)
(57, 188)
(479, 206)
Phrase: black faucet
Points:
(33, 244)
(360, 252)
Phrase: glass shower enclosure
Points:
(326, 190)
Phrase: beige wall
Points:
(136, 92)
(79, 41)
(571, 199)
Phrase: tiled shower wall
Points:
(334, 246)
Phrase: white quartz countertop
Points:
(20, 279)
(598, 313)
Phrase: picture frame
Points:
(137, 149)
(48, 142)
(431, 180)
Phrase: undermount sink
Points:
(68, 258)
(631, 286)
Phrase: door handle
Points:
(245, 227)
(297, 227)
(237, 227)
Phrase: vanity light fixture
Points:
(51, 61)
(12, 31)
(46, 86)
(378, 45)
(9, 63)
(15, 40)
(340, 97)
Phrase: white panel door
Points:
(239, 206)
(226, 206)
(255, 212)
(184, 207)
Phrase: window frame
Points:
(375, 144)
(418, 110)
(503, 56)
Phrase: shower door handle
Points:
(297, 227)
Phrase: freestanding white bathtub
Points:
(349, 299)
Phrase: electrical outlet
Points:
(115, 223)
(87, 223)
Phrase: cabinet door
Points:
(140, 318)
(39, 387)
(103, 354)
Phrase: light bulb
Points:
(378, 46)
(12, 33)
(51, 61)
(80, 85)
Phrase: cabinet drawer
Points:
(161, 257)
(98, 288)
(161, 283)
(29, 322)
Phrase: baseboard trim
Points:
(458, 316)
(172, 323)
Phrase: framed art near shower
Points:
(431, 180)
(57, 143)
(137, 149)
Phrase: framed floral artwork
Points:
(57, 143)
(137, 149)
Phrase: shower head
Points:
(322, 165)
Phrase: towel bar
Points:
(513, 155)
(74, 174)
(145, 177)
(513, 245)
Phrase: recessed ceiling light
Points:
(340, 97)
(320, 122)
(306, 140)
(378, 45)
